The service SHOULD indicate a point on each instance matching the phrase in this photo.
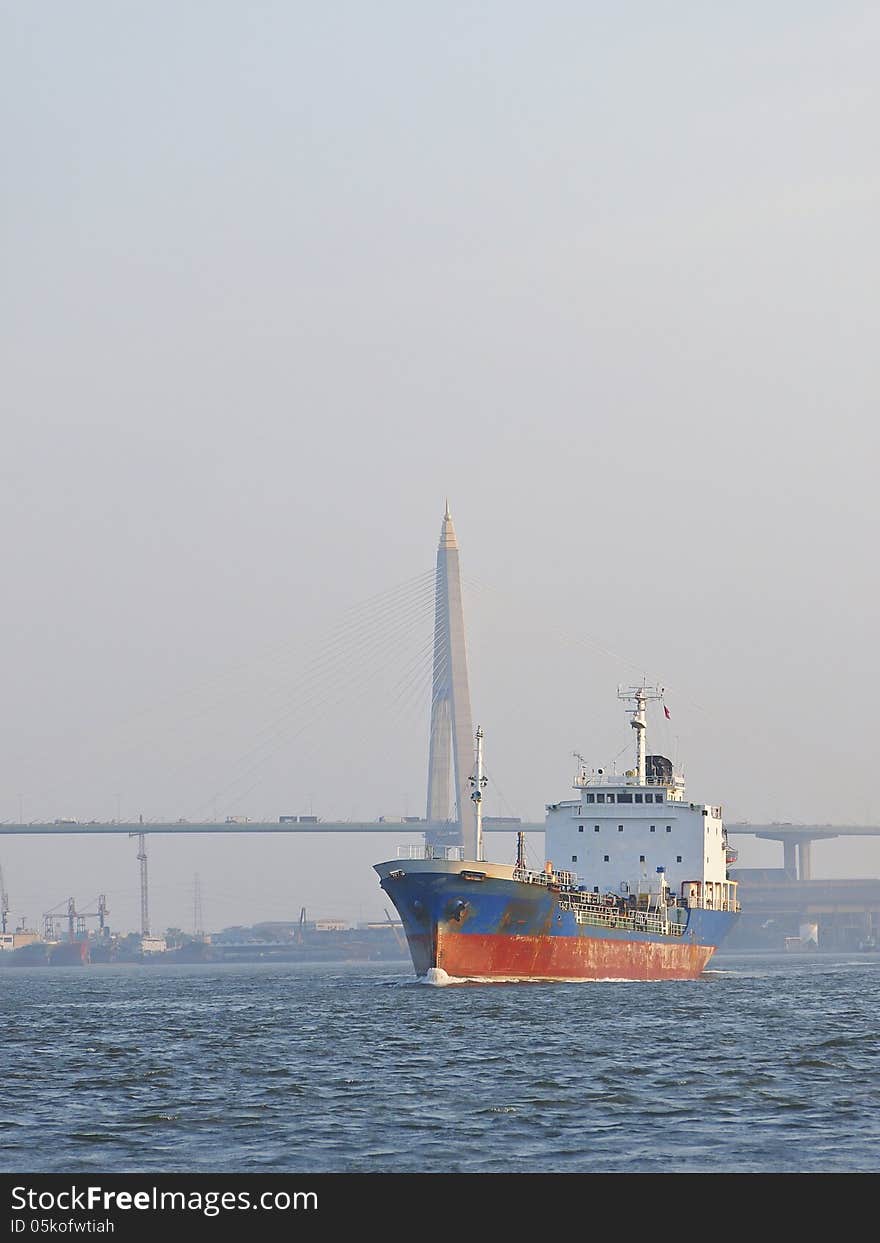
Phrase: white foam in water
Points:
(439, 978)
(436, 976)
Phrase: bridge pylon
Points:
(451, 754)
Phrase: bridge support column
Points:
(789, 859)
(805, 860)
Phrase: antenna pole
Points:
(478, 781)
(640, 696)
(640, 725)
(521, 851)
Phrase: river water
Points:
(767, 1063)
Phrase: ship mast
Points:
(640, 696)
(477, 782)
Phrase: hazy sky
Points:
(278, 278)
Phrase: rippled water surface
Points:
(764, 1064)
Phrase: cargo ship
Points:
(634, 885)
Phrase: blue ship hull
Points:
(493, 927)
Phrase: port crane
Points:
(100, 914)
(4, 902)
(76, 920)
(398, 935)
(142, 861)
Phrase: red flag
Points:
(666, 710)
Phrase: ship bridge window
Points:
(600, 798)
(653, 828)
(669, 828)
(624, 798)
(620, 828)
(607, 858)
(658, 798)
(580, 828)
(574, 858)
(638, 798)
(591, 798)
(642, 859)
(610, 798)
(678, 858)
(595, 828)
(649, 798)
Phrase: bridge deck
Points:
(778, 832)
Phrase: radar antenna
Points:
(639, 695)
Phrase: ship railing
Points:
(588, 781)
(573, 899)
(702, 905)
(636, 921)
(555, 879)
(528, 877)
(448, 854)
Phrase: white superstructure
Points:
(635, 832)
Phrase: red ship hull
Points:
(492, 956)
(69, 954)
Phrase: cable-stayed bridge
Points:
(448, 819)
